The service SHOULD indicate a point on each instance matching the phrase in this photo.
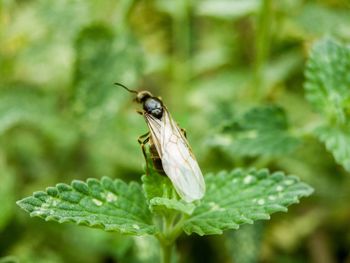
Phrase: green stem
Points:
(181, 67)
(124, 13)
(166, 251)
(262, 42)
(169, 234)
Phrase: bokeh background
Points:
(213, 62)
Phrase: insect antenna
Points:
(130, 90)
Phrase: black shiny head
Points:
(151, 104)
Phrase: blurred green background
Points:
(219, 65)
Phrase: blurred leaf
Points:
(319, 20)
(260, 131)
(227, 9)
(257, 195)
(117, 57)
(210, 59)
(9, 259)
(244, 245)
(328, 79)
(289, 233)
(216, 105)
(23, 106)
(110, 205)
(55, 15)
(265, 118)
(119, 131)
(104, 57)
(337, 141)
(146, 250)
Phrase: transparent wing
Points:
(178, 162)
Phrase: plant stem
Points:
(124, 11)
(167, 250)
(181, 67)
(168, 235)
(262, 42)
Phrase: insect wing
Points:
(178, 162)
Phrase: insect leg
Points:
(142, 140)
(145, 137)
(184, 132)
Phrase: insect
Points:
(170, 151)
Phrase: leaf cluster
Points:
(232, 199)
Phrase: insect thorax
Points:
(154, 107)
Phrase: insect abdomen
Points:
(157, 162)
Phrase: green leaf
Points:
(328, 79)
(240, 197)
(107, 204)
(315, 19)
(260, 131)
(156, 185)
(265, 118)
(337, 141)
(102, 52)
(23, 105)
(160, 204)
(161, 194)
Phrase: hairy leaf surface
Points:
(328, 79)
(162, 195)
(241, 197)
(260, 131)
(337, 141)
(107, 204)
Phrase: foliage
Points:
(111, 205)
(258, 194)
(255, 83)
(117, 206)
(260, 131)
